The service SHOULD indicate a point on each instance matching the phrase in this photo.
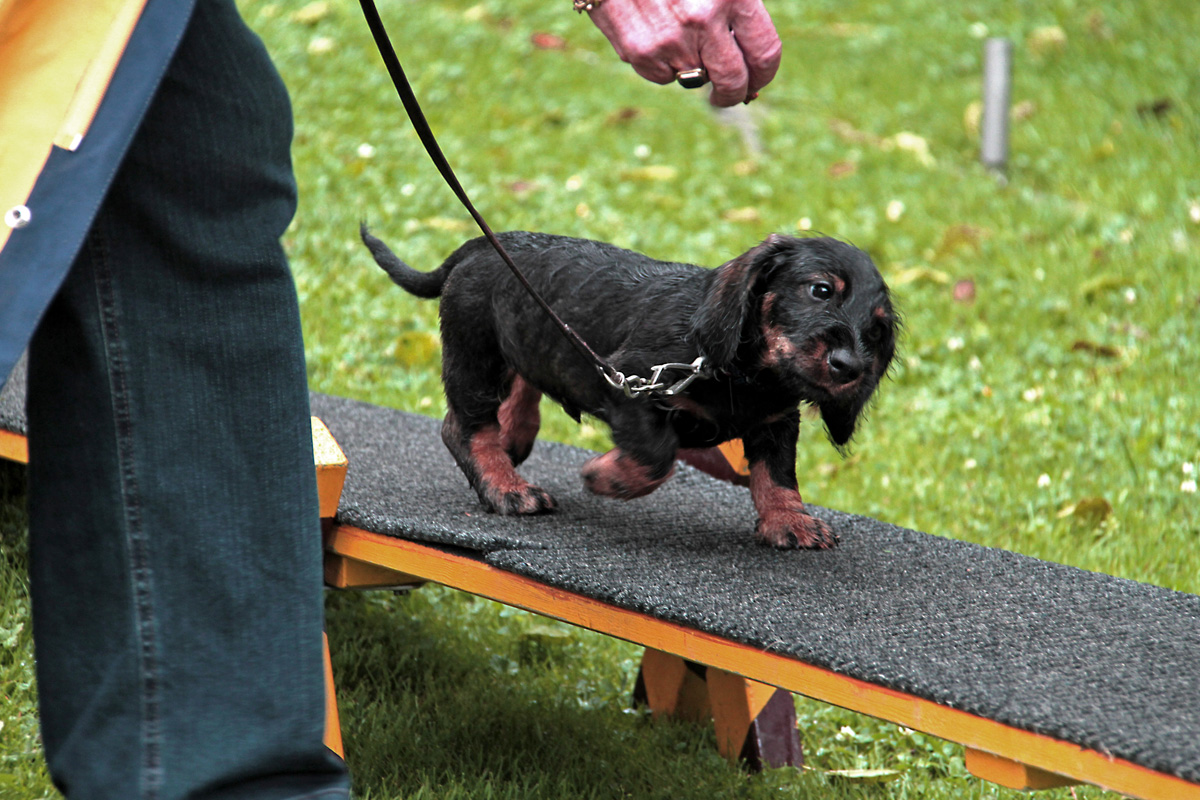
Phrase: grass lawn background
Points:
(1044, 399)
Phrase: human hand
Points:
(733, 40)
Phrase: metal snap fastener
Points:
(18, 217)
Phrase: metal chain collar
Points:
(636, 386)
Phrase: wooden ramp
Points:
(1047, 675)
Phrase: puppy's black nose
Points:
(844, 365)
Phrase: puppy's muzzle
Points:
(845, 366)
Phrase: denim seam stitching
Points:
(150, 779)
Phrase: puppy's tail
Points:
(421, 284)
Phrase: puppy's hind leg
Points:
(643, 459)
(480, 454)
(520, 419)
(475, 378)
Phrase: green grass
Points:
(1053, 415)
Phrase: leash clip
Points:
(637, 386)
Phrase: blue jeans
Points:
(175, 545)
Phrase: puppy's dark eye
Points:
(820, 290)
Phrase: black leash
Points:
(409, 98)
(631, 385)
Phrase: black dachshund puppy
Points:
(791, 321)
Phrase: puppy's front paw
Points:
(789, 529)
(517, 500)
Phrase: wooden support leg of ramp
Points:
(1012, 774)
(331, 465)
(754, 721)
(333, 724)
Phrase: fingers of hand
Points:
(759, 43)
(746, 49)
(734, 40)
(726, 68)
(648, 38)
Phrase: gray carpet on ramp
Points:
(12, 400)
(1109, 664)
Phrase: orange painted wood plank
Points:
(977, 733)
(735, 454)
(349, 573)
(14, 447)
(1012, 774)
(333, 725)
(736, 702)
(331, 466)
(751, 696)
(673, 690)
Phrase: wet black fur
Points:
(638, 312)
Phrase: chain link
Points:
(636, 386)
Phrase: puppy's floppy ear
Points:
(718, 323)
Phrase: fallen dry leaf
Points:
(744, 214)
(962, 235)
(1046, 41)
(1097, 25)
(973, 117)
(1095, 348)
(476, 13)
(842, 169)
(657, 172)
(321, 45)
(863, 775)
(911, 143)
(906, 141)
(1101, 284)
(416, 347)
(623, 115)
(1024, 110)
(964, 291)
(918, 275)
(523, 187)
(311, 14)
(1106, 149)
(1159, 107)
(846, 131)
(1129, 329)
(1089, 511)
(548, 41)
(446, 224)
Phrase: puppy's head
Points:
(813, 312)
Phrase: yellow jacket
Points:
(75, 78)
